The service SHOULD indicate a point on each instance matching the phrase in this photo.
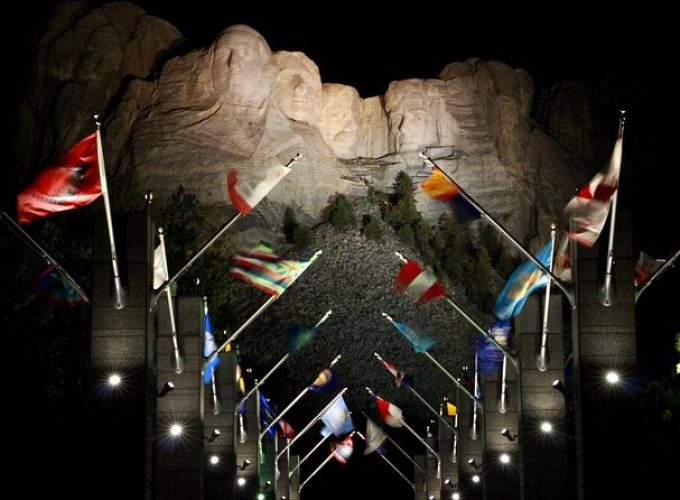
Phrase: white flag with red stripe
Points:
(589, 209)
(247, 189)
(391, 414)
(418, 283)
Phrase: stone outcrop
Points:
(187, 117)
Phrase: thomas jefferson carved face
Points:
(298, 87)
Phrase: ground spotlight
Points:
(167, 387)
(214, 460)
(558, 385)
(505, 432)
(612, 377)
(473, 463)
(213, 435)
(504, 458)
(244, 465)
(176, 430)
(241, 481)
(114, 380)
(455, 496)
(546, 427)
(476, 479)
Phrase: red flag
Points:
(72, 182)
(246, 190)
(588, 210)
(390, 413)
(417, 283)
(645, 267)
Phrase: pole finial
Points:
(160, 230)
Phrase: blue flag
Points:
(489, 355)
(420, 344)
(324, 382)
(267, 414)
(209, 346)
(526, 279)
(337, 419)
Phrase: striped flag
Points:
(247, 189)
(342, 451)
(589, 209)
(399, 376)
(419, 284)
(266, 271)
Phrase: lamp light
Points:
(167, 387)
(244, 465)
(558, 385)
(473, 463)
(612, 377)
(546, 427)
(176, 430)
(505, 432)
(213, 435)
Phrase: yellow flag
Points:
(451, 409)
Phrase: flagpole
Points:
(544, 353)
(262, 308)
(316, 447)
(310, 424)
(213, 385)
(120, 299)
(394, 443)
(322, 465)
(33, 245)
(206, 246)
(179, 363)
(503, 231)
(438, 365)
(415, 434)
(413, 486)
(422, 400)
(502, 405)
(469, 319)
(276, 367)
(473, 431)
(665, 267)
(606, 291)
(454, 444)
(292, 403)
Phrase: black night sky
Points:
(629, 54)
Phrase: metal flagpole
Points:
(454, 444)
(438, 365)
(502, 404)
(276, 367)
(665, 267)
(503, 231)
(179, 362)
(606, 291)
(310, 424)
(120, 299)
(33, 245)
(321, 465)
(413, 486)
(415, 434)
(206, 247)
(262, 308)
(422, 400)
(473, 431)
(292, 403)
(472, 322)
(544, 353)
(316, 447)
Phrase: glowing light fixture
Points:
(558, 385)
(505, 432)
(176, 430)
(505, 458)
(244, 465)
(473, 463)
(241, 481)
(612, 377)
(167, 387)
(214, 460)
(213, 435)
(546, 427)
(476, 479)
(114, 380)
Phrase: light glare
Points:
(612, 377)
(241, 481)
(505, 458)
(175, 430)
(115, 380)
(546, 427)
(214, 459)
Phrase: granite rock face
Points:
(187, 117)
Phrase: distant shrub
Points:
(371, 228)
(340, 212)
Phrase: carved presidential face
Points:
(340, 119)
(243, 69)
(298, 87)
(417, 115)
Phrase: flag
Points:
(489, 355)
(441, 188)
(375, 438)
(420, 285)
(342, 451)
(390, 413)
(588, 210)
(246, 190)
(526, 279)
(451, 409)
(160, 268)
(267, 414)
(72, 182)
(337, 419)
(286, 430)
(296, 337)
(240, 381)
(324, 382)
(645, 267)
(419, 343)
(51, 285)
(399, 376)
(562, 267)
(266, 271)
(209, 346)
